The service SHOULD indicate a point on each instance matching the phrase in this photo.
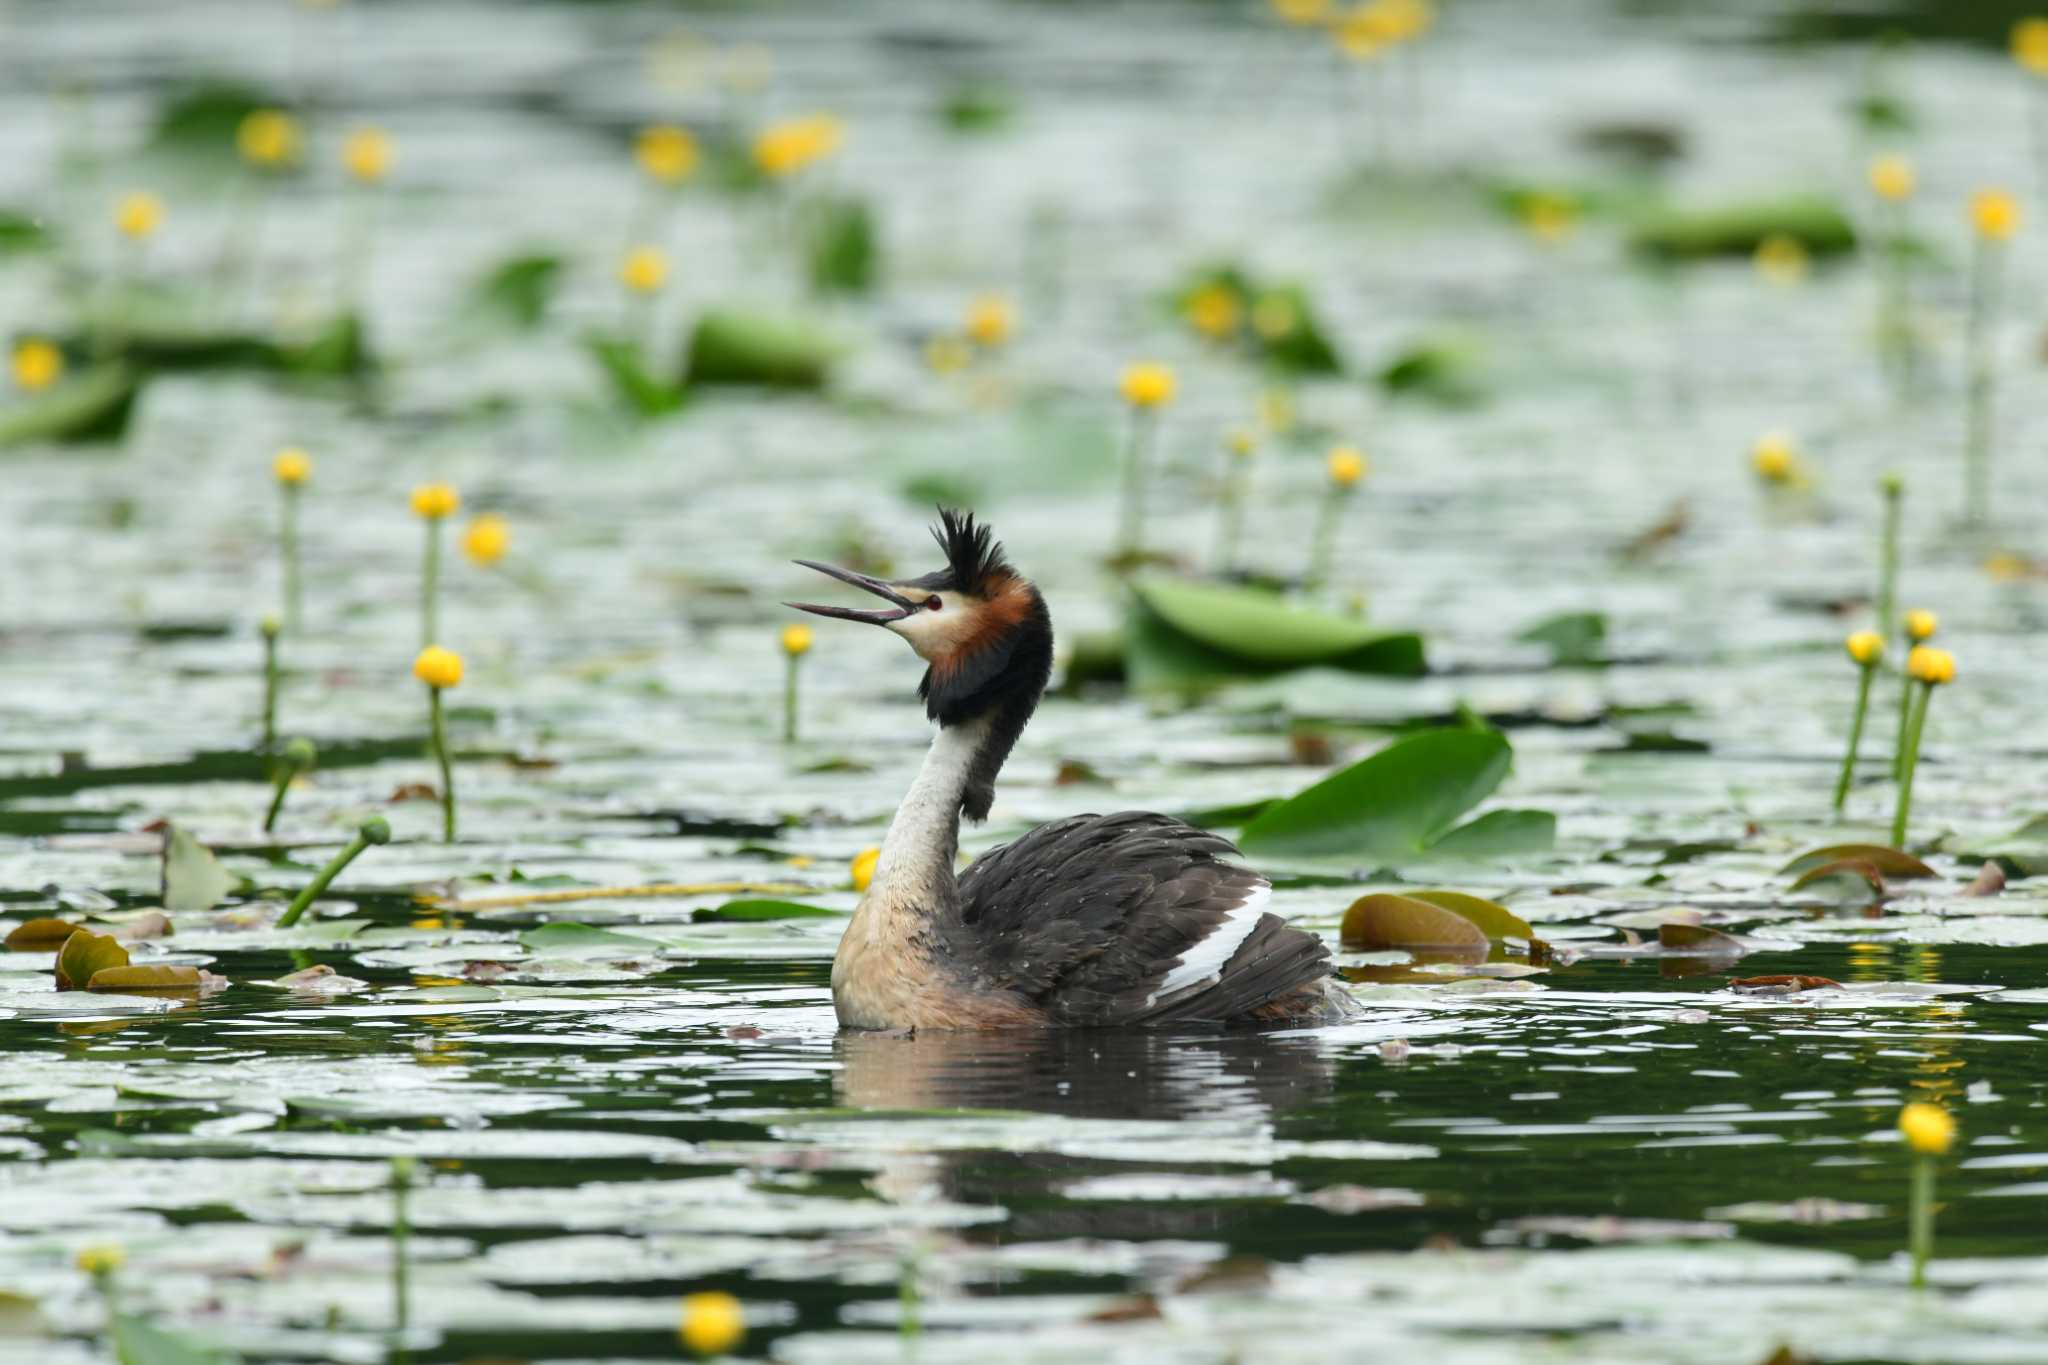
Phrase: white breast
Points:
(1202, 964)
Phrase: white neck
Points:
(915, 870)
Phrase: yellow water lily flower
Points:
(268, 138)
(644, 270)
(782, 149)
(1995, 214)
(796, 641)
(486, 539)
(1928, 1129)
(863, 867)
(1935, 667)
(101, 1260)
(1866, 647)
(1891, 177)
(139, 214)
(1775, 459)
(1921, 624)
(292, 466)
(437, 667)
(712, 1322)
(1147, 384)
(2030, 45)
(666, 153)
(434, 501)
(1347, 466)
(37, 365)
(989, 320)
(367, 155)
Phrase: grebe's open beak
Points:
(900, 606)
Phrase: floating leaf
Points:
(1889, 861)
(1783, 985)
(731, 347)
(157, 977)
(516, 292)
(755, 910)
(845, 257)
(1447, 370)
(1696, 940)
(1182, 631)
(1499, 834)
(139, 1342)
(1815, 222)
(23, 232)
(1384, 920)
(1495, 920)
(94, 406)
(193, 877)
(1398, 805)
(570, 939)
(642, 391)
(40, 935)
(84, 955)
(1850, 880)
(1573, 637)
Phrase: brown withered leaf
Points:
(1696, 940)
(148, 924)
(413, 791)
(128, 980)
(1990, 880)
(1143, 1308)
(1073, 772)
(1782, 985)
(39, 935)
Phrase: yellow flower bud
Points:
(1866, 647)
(644, 270)
(1214, 311)
(796, 641)
(1241, 442)
(787, 147)
(1147, 384)
(1346, 467)
(1782, 259)
(1928, 1129)
(438, 667)
(1931, 666)
(292, 466)
(989, 321)
(666, 153)
(1921, 624)
(101, 1260)
(1995, 214)
(1774, 458)
(486, 538)
(712, 1323)
(139, 215)
(863, 868)
(2030, 45)
(37, 365)
(434, 501)
(268, 138)
(367, 155)
(1891, 177)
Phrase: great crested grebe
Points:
(1132, 919)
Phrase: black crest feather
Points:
(973, 555)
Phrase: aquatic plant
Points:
(1919, 625)
(269, 139)
(292, 468)
(1892, 180)
(711, 1322)
(1147, 387)
(433, 504)
(367, 154)
(1782, 259)
(1776, 461)
(1345, 467)
(665, 153)
(375, 830)
(1995, 216)
(990, 320)
(138, 214)
(1240, 444)
(1929, 1131)
(37, 364)
(440, 669)
(1929, 668)
(403, 1169)
(294, 761)
(791, 146)
(486, 539)
(1893, 489)
(1180, 634)
(270, 627)
(796, 642)
(1866, 651)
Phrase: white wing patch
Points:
(1202, 964)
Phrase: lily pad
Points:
(39, 935)
(623, 364)
(517, 292)
(1849, 880)
(757, 910)
(193, 877)
(570, 939)
(845, 250)
(95, 406)
(1890, 862)
(1181, 631)
(85, 955)
(733, 347)
(1573, 637)
(1736, 229)
(129, 980)
(1440, 919)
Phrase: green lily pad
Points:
(1735, 229)
(742, 348)
(758, 910)
(1397, 806)
(1495, 920)
(84, 955)
(1849, 881)
(1181, 632)
(845, 249)
(572, 940)
(641, 390)
(93, 406)
(517, 292)
(140, 1342)
(23, 232)
(1573, 637)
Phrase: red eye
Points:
(933, 603)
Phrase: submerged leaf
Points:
(84, 955)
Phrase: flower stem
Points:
(1325, 539)
(1911, 755)
(1230, 515)
(1866, 673)
(1905, 724)
(430, 585)
(401, 1234)
(1894, 337)
(789, 701)
(1921, 1218)
(270, 687)
(372, 831)
(439, 725)
(1888, 560)
(1130, 540)
(288, 548)
(285, 774)
(1984, 263)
